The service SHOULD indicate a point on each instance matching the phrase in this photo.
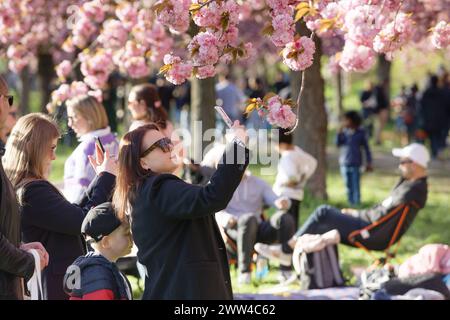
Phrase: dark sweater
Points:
(350, 143)
(405, 192)
(47, 217)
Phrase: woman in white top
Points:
(87, 117)
(294, 169)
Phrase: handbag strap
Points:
(35, 283)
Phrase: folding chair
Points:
(383, 233)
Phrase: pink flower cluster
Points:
(96, 68)
(280, 114)
(83, 30)
(132, 60)
(63, 69)
(114, 35)
(208, 16)
(278, 5)
(175, 15)
(66, 91)
(356, 58)
(298, 55)
(204, 49)
(179, 72)
(128, 14)
(94, 10)
(394, 35)
(206, 72)
(362, 24)
(19, 57)
(284, 29)
(152, 35)
(441, 35)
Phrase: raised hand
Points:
(103, 162)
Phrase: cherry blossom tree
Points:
(190, 39)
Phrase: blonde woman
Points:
(87, 117)
(46, 215)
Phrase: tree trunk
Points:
(340, 106)
(384, 74)
(24, 106)
(46, 72)
(203, 99)
(311, 134)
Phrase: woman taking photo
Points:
(87, 117)
(145, 106)
(15, 263)
(173, 223)
(46, 215)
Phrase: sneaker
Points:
(287, 277)
(245, 278)
(274, 252)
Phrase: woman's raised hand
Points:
(103, 162)
(238, 130)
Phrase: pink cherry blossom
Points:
(136, 67)
(203, 49)
(279, 114)
(356, 58)
(63, 69)
(298, 55)
(114, 35)
(175, 15)
(362, 24)
(206, 72)
(179, 72)
(284, 30)
(394, 35)
(82, 31)
(94, 10)
(441, 35)
(127, 14)
(96, 68)
(208, 16)
(97, 94)
(61, 94)
(78, 88)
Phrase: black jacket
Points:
(49, 218)
(177, 236)
(14, 264)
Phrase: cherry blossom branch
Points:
(299, 98)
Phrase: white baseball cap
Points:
(415, 151)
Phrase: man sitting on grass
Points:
(411, 190)
(242, 222)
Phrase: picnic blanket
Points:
(341, 293)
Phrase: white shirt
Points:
(294, 166)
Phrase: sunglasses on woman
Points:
(406, 161)
(165, 144)
(10, 99)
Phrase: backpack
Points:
(319, 269)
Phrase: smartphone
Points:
(99, 143)
(224, 116)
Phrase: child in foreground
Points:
(95, 276)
